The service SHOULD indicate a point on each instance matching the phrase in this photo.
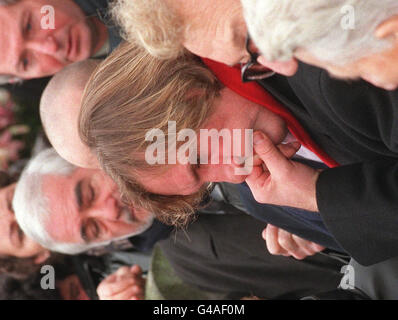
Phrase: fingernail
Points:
(296, 145)
(257, 138)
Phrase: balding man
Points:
(59, 110)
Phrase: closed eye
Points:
(27, 24)
(25, 64)
(92, 194)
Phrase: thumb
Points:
(270, 154)
(136, 269)
(289, 149)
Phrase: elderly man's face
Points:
(13, 241)
(230, 112)
(29, 50)
(379, 69)
(85, 207)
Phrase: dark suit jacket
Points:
(356, 124)
(226, 254)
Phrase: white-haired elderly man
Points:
(69, 209)
(350, 38)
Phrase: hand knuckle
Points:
(284, 242)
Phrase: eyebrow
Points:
(78, 193)
(79, 201)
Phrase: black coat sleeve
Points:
(359, 205)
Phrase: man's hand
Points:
(125, 284)
(279, 180)
(281, 242)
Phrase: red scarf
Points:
(231, 78)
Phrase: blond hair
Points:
(130, 94)
(152, 24)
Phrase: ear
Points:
(286, 68)
(388, 28)
(42, 256)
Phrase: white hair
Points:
(279, 27)
(31, 205)
(152, 24)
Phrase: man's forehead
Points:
(64, 222)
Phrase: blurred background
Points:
(21, 133)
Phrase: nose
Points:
(47, 45)
(105, 209)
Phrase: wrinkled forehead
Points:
(62, 223)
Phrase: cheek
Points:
(143, 215)
(157, 184)
(229, 54)
(381, 69)
(120, 229)
(34, 249)
(67, 13)
(378, 71)
(49, 66)
(193, 44)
